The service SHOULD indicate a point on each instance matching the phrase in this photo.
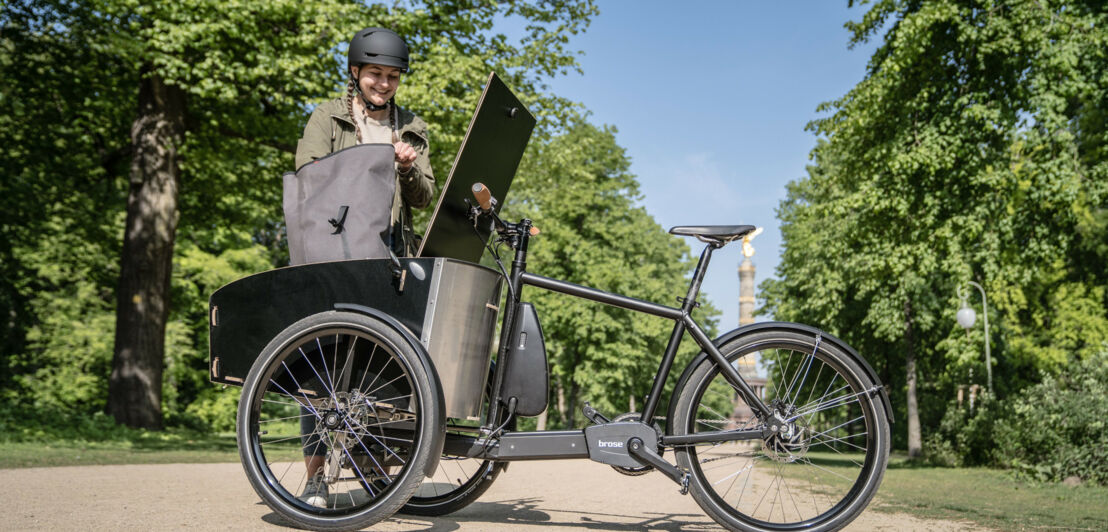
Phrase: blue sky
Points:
(711, 100)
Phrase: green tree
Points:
(973, 149)
(182, 115)
(578, 190)
(62, 152)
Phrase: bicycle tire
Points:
(373, 403)
(819, 475)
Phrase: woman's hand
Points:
(405, 155)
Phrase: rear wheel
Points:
(458, 480)
(823, 466)
(372, 411)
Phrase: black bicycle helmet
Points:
(378, 46)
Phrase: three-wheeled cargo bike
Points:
(387, 366)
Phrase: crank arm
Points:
(647, 456)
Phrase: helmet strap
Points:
(372, 106)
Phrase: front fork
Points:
(517, 240)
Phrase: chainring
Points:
(640, 470)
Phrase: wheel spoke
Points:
(806, 364)
(838, 401)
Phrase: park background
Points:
(894, 150)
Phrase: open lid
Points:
(490, 154)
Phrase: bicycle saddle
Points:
(713, 234)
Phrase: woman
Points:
(368, 114)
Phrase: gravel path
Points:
(562, 495)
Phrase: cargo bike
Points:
(390, 362)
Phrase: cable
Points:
(499, 263)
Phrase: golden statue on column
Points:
(747, 365)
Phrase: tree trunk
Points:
(561, 402)
(146, 264)
(915, 444)
(540, 422)
(571, 410)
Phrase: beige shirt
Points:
(373, 131)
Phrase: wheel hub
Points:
(787, 440)
(332, 419)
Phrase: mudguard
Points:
(780, 325)
(437, 437)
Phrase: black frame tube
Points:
(518, 236)
(507, 329)
(600, 296)
(729, 372)
(563, 444)
(664, 367)
(710, 437)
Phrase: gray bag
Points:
(339, 206)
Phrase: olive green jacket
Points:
(331, 128)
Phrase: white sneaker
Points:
(315, 492)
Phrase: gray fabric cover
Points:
(362, 179)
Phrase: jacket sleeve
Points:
(316, 141)
(418, 185)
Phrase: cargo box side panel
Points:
(460, 332)
(246, 314)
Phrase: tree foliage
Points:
(973, 149)
(249, 73)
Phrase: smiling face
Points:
(378, 82)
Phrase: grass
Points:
(144, 448)
(985, 497)
(990, 498)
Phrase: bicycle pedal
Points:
(593, 415)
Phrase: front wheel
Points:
(345, 395)
(824, 465)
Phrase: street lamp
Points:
(966, 318)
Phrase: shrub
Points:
(45, 424)
(966, 438)
(1058, 428)
(214, 410)
(1049, 431)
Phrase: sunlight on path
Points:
(562, 495)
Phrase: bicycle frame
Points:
(571, 444)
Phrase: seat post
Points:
(698, 277)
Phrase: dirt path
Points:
(566, 495)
